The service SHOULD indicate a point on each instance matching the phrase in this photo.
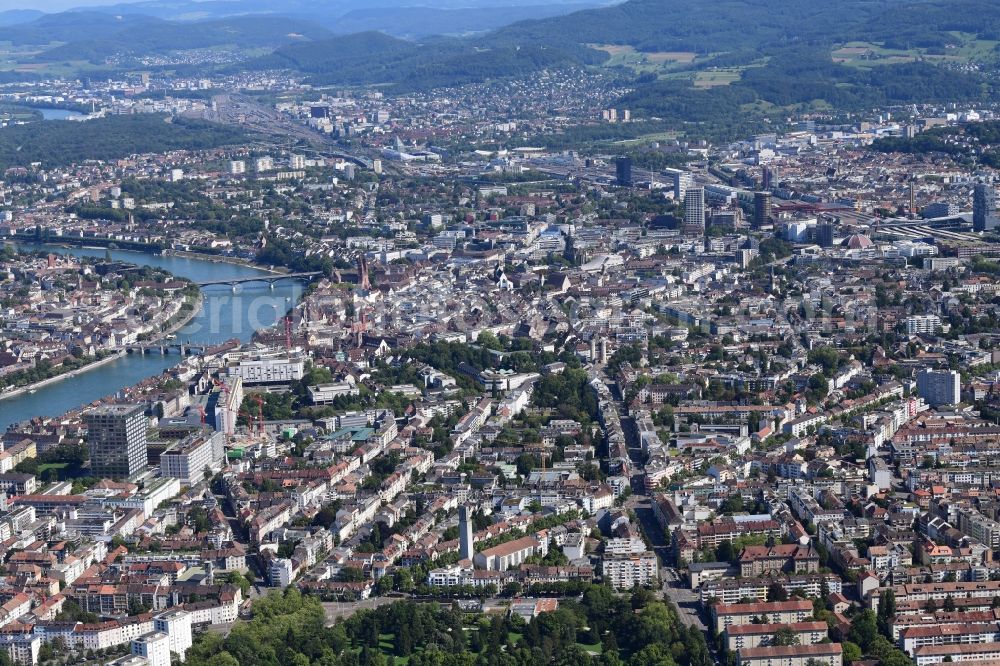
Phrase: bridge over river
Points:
(270, 279)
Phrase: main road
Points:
(685, 600)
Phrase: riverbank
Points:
(30, 388)
(219, 259)
(199, 302)
(173, 328)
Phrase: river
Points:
(223, 316)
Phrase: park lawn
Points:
(642, 61)
(592, 648)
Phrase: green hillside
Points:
(61, 142)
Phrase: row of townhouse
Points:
(901, 622)
(730, 591)
(115, 599)
(820, 654)
(777, 612)
(913, 638)
(744, 636)
(920, 592)
(710, 535)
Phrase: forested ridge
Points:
(62, 142)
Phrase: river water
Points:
(224, 315)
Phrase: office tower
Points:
(694, 206)
(682, 181)
(768, 178)
(939, 387)
(465, 545)
(761, 208)
(984, 207)
(116, 435)
(824, 234)
(623, 170)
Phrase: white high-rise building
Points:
(176, 624)
(939, 387)
(188, 459)
(237, 167)
(297, 161)
(154, 648)
(263, 164)
(922, 324)
(682, 181)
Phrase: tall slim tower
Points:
(116, 435)
(761, 208)
(682, 181)
(912, 209)
(984, 206)
(623, 171)
(465, 546)
(694, 206)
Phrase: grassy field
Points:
(639, 61)
(717, 77)
(966, 48)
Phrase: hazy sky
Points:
(53, 5)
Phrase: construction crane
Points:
(251, 418)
